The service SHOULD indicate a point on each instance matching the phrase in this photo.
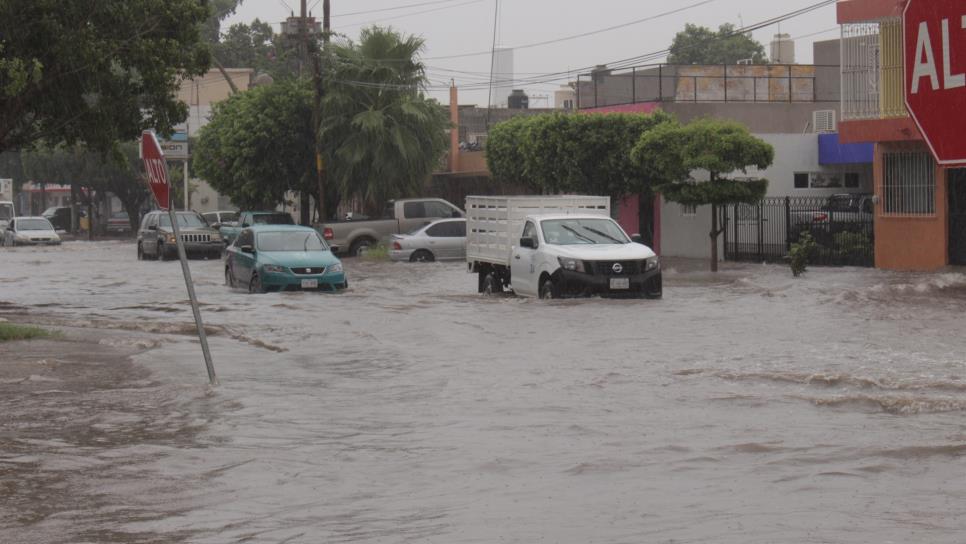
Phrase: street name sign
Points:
(934, 46)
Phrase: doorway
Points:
(956, 183)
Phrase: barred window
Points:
(909, 184)
(689, 210)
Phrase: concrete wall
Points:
(212, 86)
(774, 118)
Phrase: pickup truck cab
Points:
(249, 219)
(848, 212)
(355, 237)
(572, 248)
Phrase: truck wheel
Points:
(360, 247)
(140, 252)
(548, 290)
(158, 251)
(422, 256)
(229, 278)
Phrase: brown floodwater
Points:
(744, 407)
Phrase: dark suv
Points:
(156, 236)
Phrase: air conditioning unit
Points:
(824, 121)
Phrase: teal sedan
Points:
(282, 258)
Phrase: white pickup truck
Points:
(554, 246)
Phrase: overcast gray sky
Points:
(457, 27)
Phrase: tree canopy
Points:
(95, 72)
(587, 154)
(673, 152)
(259, 144)
(701, 45)
(382, 136)
(256, 46)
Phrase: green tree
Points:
(382, 136)
(259, 145)
(95, 72)
(558, 152)
(256, 46)
(672, 152)
(701, 45)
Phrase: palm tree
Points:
(383, 137)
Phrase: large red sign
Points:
(156, 168)
(934, 34)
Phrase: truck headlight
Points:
(573, 265)
(334, 269)
(171, 239)
(215, 237)
(273, 268)
(651, 264)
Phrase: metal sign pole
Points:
(191, 288)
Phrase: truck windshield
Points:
(191, 220)
(290, 241)
(567, 232)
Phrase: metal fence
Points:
(764, 232)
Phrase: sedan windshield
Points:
(190, 220)
(568, 232)
(290, 241)
(34, 224)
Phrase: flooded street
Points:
(744, 407)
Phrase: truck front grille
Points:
(627, 268)
(195, 237)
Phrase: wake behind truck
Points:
(554, 246)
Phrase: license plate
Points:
(620, 283)
(310, 284)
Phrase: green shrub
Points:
(10, 332)
(800, 253)
(378, 252)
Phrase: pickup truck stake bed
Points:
(553, 246)
(402, 216)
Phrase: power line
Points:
(351, 25)
(394, 8)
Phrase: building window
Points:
(851, 180)
(801, 180)
(689, 210)
(908, 184)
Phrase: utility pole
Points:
(317, 109)
(304, 217)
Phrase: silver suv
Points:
(156, 236)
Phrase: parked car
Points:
(119, 222)
(156, 236)
(249, 219)
(59, 216)
(355, 237)
(282, 258)
(7, 212)
(219, 218)
(28, 231)
(571, 246)
(848, 212)
(439, 240)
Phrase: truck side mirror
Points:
(245, 225)
(636, 238)
(528, 243)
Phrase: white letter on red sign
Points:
(928, 68)
(950, 80)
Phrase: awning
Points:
(831, 151)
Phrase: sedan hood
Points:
(296, 259)
(603, 252)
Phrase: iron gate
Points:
(764, 232)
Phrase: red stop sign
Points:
(156, 168)
(934, 35)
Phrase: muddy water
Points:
(746, 407)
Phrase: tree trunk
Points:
(224, 74)
(714, 237)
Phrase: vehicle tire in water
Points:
(422, 256)
(255, 285)
(360, 247)
(491, 286)
(229, 278)
(140, 252)
(548, 290)
(160, 250)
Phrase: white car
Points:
(439, 240)
(26, 231)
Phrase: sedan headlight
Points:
(273, 268)
(651, 264)
(21, 236)
(573, 265)
(334, 269)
